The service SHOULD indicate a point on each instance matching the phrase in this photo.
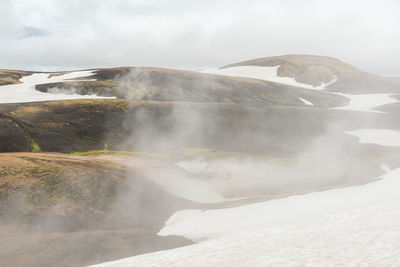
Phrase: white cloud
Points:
(194, 34)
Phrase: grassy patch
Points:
(71, 193)
(148, 154)
(101, 152)
(35, 147)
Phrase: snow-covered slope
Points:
(354, 226)
(25, 91)
(362, 237)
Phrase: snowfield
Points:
(25, 91)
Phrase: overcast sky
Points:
(196, 34)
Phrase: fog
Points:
(238, 160)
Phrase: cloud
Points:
(32, 32)
(197, 34)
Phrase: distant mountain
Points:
(315, 70)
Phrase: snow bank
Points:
(366, 102)
(382, 137)
(25, 91)
(306, 102)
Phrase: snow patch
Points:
(265, 73)
(26, 92)
(384, 137)
(308, 103)
(366, 102)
